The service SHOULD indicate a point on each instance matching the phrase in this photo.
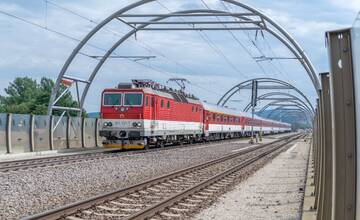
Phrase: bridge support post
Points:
(8, 133)
(51, 132)
(327, 147)
(32, 133)
(344, 125)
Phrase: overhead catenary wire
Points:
(259, 50)
(237, 40)
(211, 44)
(137, 42)
(145, 46)
(254, 43)
(77, 40)
(45, 27)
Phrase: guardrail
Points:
(21, 133)
(336, 130)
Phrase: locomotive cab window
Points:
(162, 103)
(133, 99)
(112, 99)
(168, 104)
(152, 102)
(147, 101)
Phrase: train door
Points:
(152, 113)
(206, 118)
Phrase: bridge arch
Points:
(245, 84)
(283, 94)
(265, 24)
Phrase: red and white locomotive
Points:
(143, 113)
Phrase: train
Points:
(143, 113)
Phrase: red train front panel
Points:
(222, 121)
(134, 117)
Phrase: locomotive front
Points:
(123, 118)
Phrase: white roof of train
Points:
(235, 112)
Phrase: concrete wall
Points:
(355, 35)
(30, 133)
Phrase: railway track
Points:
(169, 196)
(51, 161)
(26, 164)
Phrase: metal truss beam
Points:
(267, 25)
(279, 99)
(280, 110)
(267, 87)
(203, 29)
(182, 14)
(287, 103)
(277, 84)
(278, 96)
(192, 22)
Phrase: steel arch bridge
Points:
(277, 84)
(255, 20)
(289, 97)
(291, 103)
(294, 112)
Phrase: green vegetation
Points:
(26, 96)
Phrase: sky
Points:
(212, 61)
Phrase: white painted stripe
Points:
(292, 148)
(244, 148)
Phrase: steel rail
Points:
(51, 161)
(15, 165)
(86, 204)
(153, 210)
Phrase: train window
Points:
(231, 119)
(168, 104)
(197, 109)
(192, 108)
(162, 103)
(214, 117)
(152, 102)
(147, 101)
(112, 99)
(133, 99)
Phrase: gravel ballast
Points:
(274, 192)
(28, 192)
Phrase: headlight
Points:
(122, 133)
(107, 124)
(136, 124)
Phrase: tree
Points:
(25, 96)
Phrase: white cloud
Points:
(26, 49)
(353, 5)
(301, 27)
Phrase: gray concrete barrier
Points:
(3, 121)
(21, 133)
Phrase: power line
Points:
(205, 89)
(77, 40)
(236, 39)
(211, 44)
(259, 50)
(44, 27)
(219, 51)
(137, 42)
